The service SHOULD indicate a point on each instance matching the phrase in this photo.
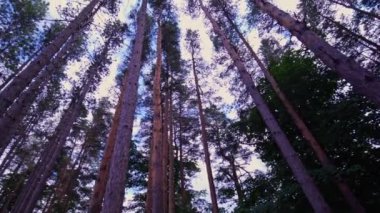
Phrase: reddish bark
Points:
(154, 203)
(114, 195)
(299, 171)
(12, 118)
(363, 81)
(22, 80)
(301, 125)
(204, 139)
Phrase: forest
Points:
(185, 106)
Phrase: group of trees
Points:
(309, 109)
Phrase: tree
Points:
(307, 183)
(193, 46)
(363, 81)
(296, 117)
(33, 187)
(333, 116)
(114, 195)
(12, 118)
(23, 79)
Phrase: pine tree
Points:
(114, 195)
(363, 81)
(307, 183)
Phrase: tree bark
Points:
(101, 181)
(299, 171)
(353, 7)
(12, 118)
(301, 125)
(114, 196)
(10, 93)
(171, 156)
(165, 153)
(204, 139)
(154, 203)
(363, 82)
(375, 47)
(181, 167)
(31, 191)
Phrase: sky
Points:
(107, 86)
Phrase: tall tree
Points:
(12, 118)
(194, 48)
(306, 182)
(37, 180)
(363, 81)
(9, 94)
(114, 195)
(298, 121)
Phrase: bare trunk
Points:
(101, 182)
(165, 154)
(181, 169)
(204, 139)
(235, 178)
(22, 80)
(19, 69)
(301, 125)
(171, 156)
(299, 171)
(12, 118)
(373, 45)
(353, 7)
(363, 82)
(114, 196)
(154, 203)
(37, 180)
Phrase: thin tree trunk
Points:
(154, 203)
(12, 118)
(204, 139)
(353, 7)
(301, 125)
(171, 156)
(37, 180)
(19, 69)
(101, 181)
(235, 178)
(181, 167)
(304, 179)
(22, 80)
(165, 153)
(363, 82)
(231, 160)
(114, 196)
(375, 47)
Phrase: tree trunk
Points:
(235, 178)
(12, 118)
(301, 125)
(306, 182)
(37, 180)
(181, 168)
(10, 93)
(101, 181)
(363, 82)
(353, 7)
(165, 153)
(204, 139)
(114, 196)
(155, 195)
(372, 45)
(171, 156)
(19, 69)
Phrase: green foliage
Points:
(346, 125)
(18, 29)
